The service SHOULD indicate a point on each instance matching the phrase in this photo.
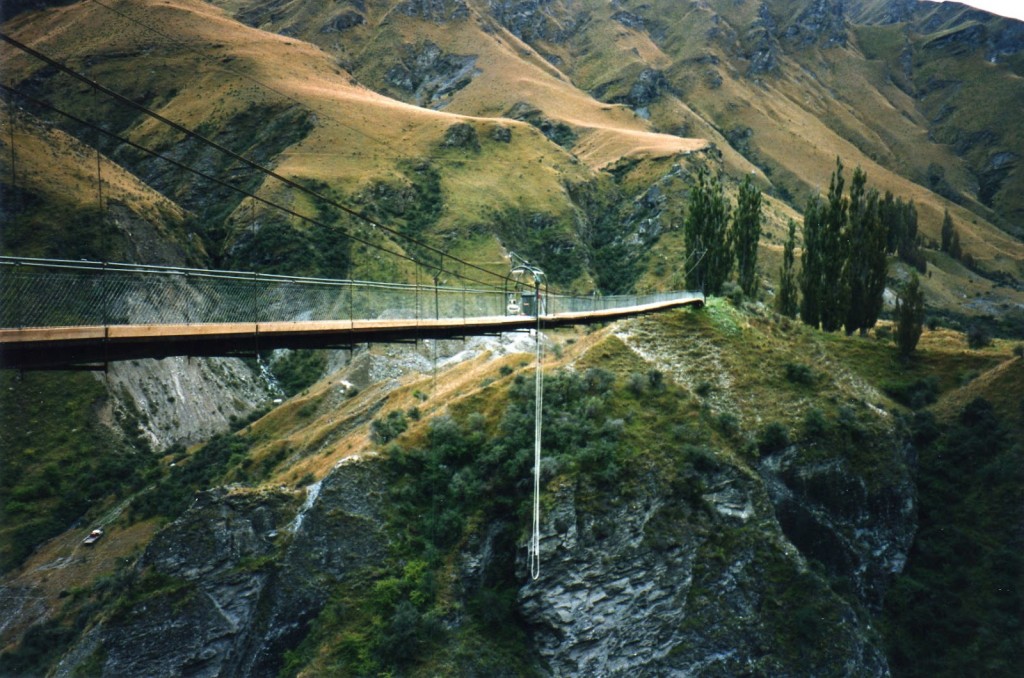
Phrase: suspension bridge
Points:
(57, 314)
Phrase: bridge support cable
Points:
(291, 183)
(220, 182)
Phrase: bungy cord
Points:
(534, 547)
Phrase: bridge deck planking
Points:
(51, 347)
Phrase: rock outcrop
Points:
(182, 400)
(229, 586)
(714, 571)
(696, 577)
(429, 75)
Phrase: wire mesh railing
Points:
(59, 293)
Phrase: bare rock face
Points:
(822, 23)
(229, 586)
(860, 529)
(429, 75)
(182, 400)
(700, 571)
(690, 577)
(438, 11)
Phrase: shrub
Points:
(728, 424)
(733, 292)
(636, 383)
(978, 336)
(41, 645)
(914, 394)
(390, 427)
(598, 381)
(773, 438)
(815, 423)
(299, 369)
(798, 373)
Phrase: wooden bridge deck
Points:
(89, 346)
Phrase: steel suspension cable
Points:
(221, 182)
(291, 183)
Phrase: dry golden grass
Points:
(64, 564)
(57, 166)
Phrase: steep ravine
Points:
(666, 582)
(667, 548)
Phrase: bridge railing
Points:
(61, 293)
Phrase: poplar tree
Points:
(812, 266)
(746, 230)
(951, 238)
(822, 280)
(909, 316)
(834, 254)
(865, 267)
(708, 251)
(787, 299)
(947, 231)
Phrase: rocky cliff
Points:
(669, 545)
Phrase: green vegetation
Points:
(899, 219)
(59, 462)
(175, 487)
(277, 243)
(958, 608)
(950, 238)
(909, 316)
(824, 298)
(467, 473)
(40, 647)
(746, 234)
(709, 255)
(259, 132)
(787, 302)
(544, 240)
(866, 264)
(299, 369)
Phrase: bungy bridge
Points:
(57, 314)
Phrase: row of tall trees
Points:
(844, 258)
(713, 244)
(844, 263)
(847, 237)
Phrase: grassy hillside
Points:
(517, 111)
(314, 124)
(779, 91)
(52, 192)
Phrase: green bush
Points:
(956, 609)
(915, 394)
(978, 336)
(815, 425)
(773, 438)
(299, 369)
(173, 492)
(798, 373)
(728, 424)
(390, 427)
(41, 645)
